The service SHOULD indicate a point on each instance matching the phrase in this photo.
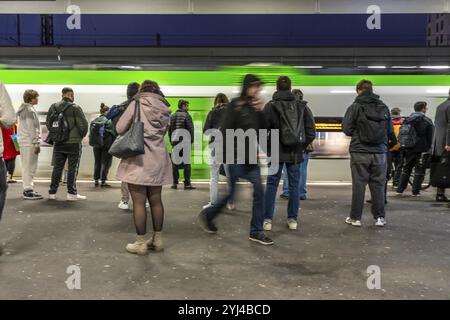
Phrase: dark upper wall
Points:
(279, 30)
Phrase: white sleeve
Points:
(7, 112)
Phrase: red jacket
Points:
(9, 150)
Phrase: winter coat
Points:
(7, 113)
(350, 124)
(75, 118)
(424, 130)
(442, 129)
(154, 168)
(280, 104)
(29, 128)
(214, 118)
(181, 120)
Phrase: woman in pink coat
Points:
(146, 174)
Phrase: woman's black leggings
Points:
(140, 194)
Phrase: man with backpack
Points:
(368, 122)
(67, 127)
(295, 122)
(395, 155)
(415, 137)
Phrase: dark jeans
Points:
(72, 153)
(103, 161)
(293, 173)
(368, 169)
(187, 173)
(252, 173)
(3, 186)
(10, 166)
(396, 166)
(412, 160)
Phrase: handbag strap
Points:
(137, 112)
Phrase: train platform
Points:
(324, 259)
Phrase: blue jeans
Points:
(293, 172)
(303, 177)
(252, 173)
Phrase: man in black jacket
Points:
(181, 120)
(368, 122)
(423, 127)
(284, 110)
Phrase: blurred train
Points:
(328, 95)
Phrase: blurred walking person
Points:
(146, 174)
(10, 151)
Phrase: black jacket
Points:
(424, 131)
(214, 118)
(243, 115)
(181, 120)
(281, 101)
(350, 124)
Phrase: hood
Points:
(367, 97)
(155, 103)
(23, 107)
(150, 96)
(416, 115)
(283, 96)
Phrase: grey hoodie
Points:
(29, 129)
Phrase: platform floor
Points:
(324, 259)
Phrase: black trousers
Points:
(186, 170)
(10, 165)
(103, 161)
(396, 166)
(413, 160)
(72, 153)
(3, 186)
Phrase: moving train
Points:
(328, 95)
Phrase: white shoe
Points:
(380, 222)
(52, 196)
(267, 225)
(75, 197)
(208, 205)
(292, 224)
(355, 223)
(230, 206)
(123, 205)
(147, 205)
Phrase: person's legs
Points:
(11, 167)
(3, 187)
(419, 175)
(59, 159)
(303, 174)
(187, 174)
(285, 178)
(106, 164)
(294, 176)
(125, 192)
(252, 173)
(271, 192)
(157, 208)
(27, 162)
(410, 160)
(398, 158)
(73, 159)
(214, 184)
(176, 174)
(139, 196)
(377, 182)
(360, 179)
(97, 162)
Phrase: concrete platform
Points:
(324, 259)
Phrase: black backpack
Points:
(407, 136)
(292, 133)
(97, 133)
(372, 124)
(58, 131)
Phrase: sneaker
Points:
(292, 224)
(284, 196)
(75, 197)
(261, 238)
(441, 198)
(96, 183)
(416, 195)
(189, 187)
(355, 223)
(380, 222)
(174, 186)
(230, 206)
(267, 225)
(52, 196)
(208, 205)
(30, 195)
(123, 205)
(207, 226)
(147, 204)
(105, 185)
(399, 193)
(303, 197)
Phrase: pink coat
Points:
(154, 168)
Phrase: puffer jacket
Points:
(29, 128)
(424, 130)
(181, 120)
(7, 113)
(75, 118)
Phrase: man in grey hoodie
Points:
(7, 120)
(28, 136)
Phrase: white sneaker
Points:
(292, 224)
(267, 225)
(147, 205)
(123, 205)
(52, 196)
(75, 197)
(230, 206)
(208, 205)
(355, 223)
(380, 222)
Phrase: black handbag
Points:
(440, 172)
(131, 143)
